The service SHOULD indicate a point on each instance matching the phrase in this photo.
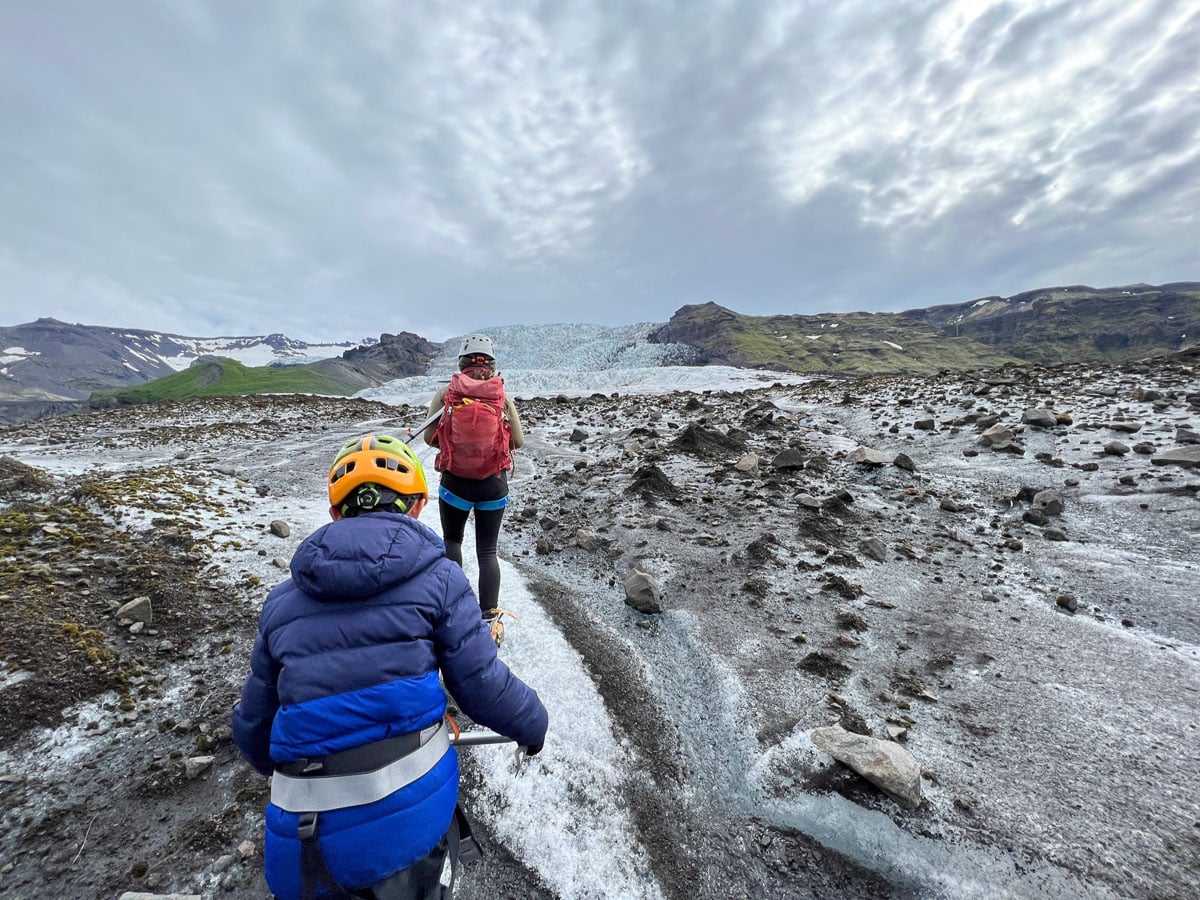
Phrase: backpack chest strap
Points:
(303, 788)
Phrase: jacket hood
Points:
(354, 558)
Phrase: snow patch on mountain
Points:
(269, 350)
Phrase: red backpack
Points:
(473, 435)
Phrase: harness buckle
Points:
(308, 826)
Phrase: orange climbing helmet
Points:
(380, 460)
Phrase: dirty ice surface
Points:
(561, 815)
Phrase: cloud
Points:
(336, 170)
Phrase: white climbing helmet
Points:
(477, 343)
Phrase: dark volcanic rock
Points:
(395, 356)
(650, 481)
(699, 440)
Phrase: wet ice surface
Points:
(1059, 749)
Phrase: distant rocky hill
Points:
(48, 366)
(1048, 326)
(1077, 323)
(394, 356)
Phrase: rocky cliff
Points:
(395, 356)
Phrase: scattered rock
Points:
(1124, 427)
(874, 548)
(885, 764)
(749, 463)
(1179, 456)
(139, 609)
(642, 593)
(1000, 439)
(866, 456)
(788, 460)
(280, 528)
(701, 441)
(195, 766)
(588, 540)
(1039, 418)
(1049, 501)
(649, 481)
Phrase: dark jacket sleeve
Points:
(255, 712)
(481, 684)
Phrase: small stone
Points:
(280, 528)
(1039, 418)
(139, 609)
(873, 548)
(748, 463)
(588, 540)
(195, 766)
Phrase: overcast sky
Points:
(339, 169)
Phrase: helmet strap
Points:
(368, 498)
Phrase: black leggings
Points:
(487, 529)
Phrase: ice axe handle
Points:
(474, 738)
(419, 431)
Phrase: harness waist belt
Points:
(319, 793)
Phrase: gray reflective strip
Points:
(318, 793)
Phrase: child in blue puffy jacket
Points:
(343, 705)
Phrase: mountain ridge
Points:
(1048, 326)
(47, 365)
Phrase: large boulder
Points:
(885, 764)
(1180, 456)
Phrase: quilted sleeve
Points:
(481, 684)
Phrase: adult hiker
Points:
(343, 705)
(475, 437)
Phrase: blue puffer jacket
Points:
(348, 652)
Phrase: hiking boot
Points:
(495, 626)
